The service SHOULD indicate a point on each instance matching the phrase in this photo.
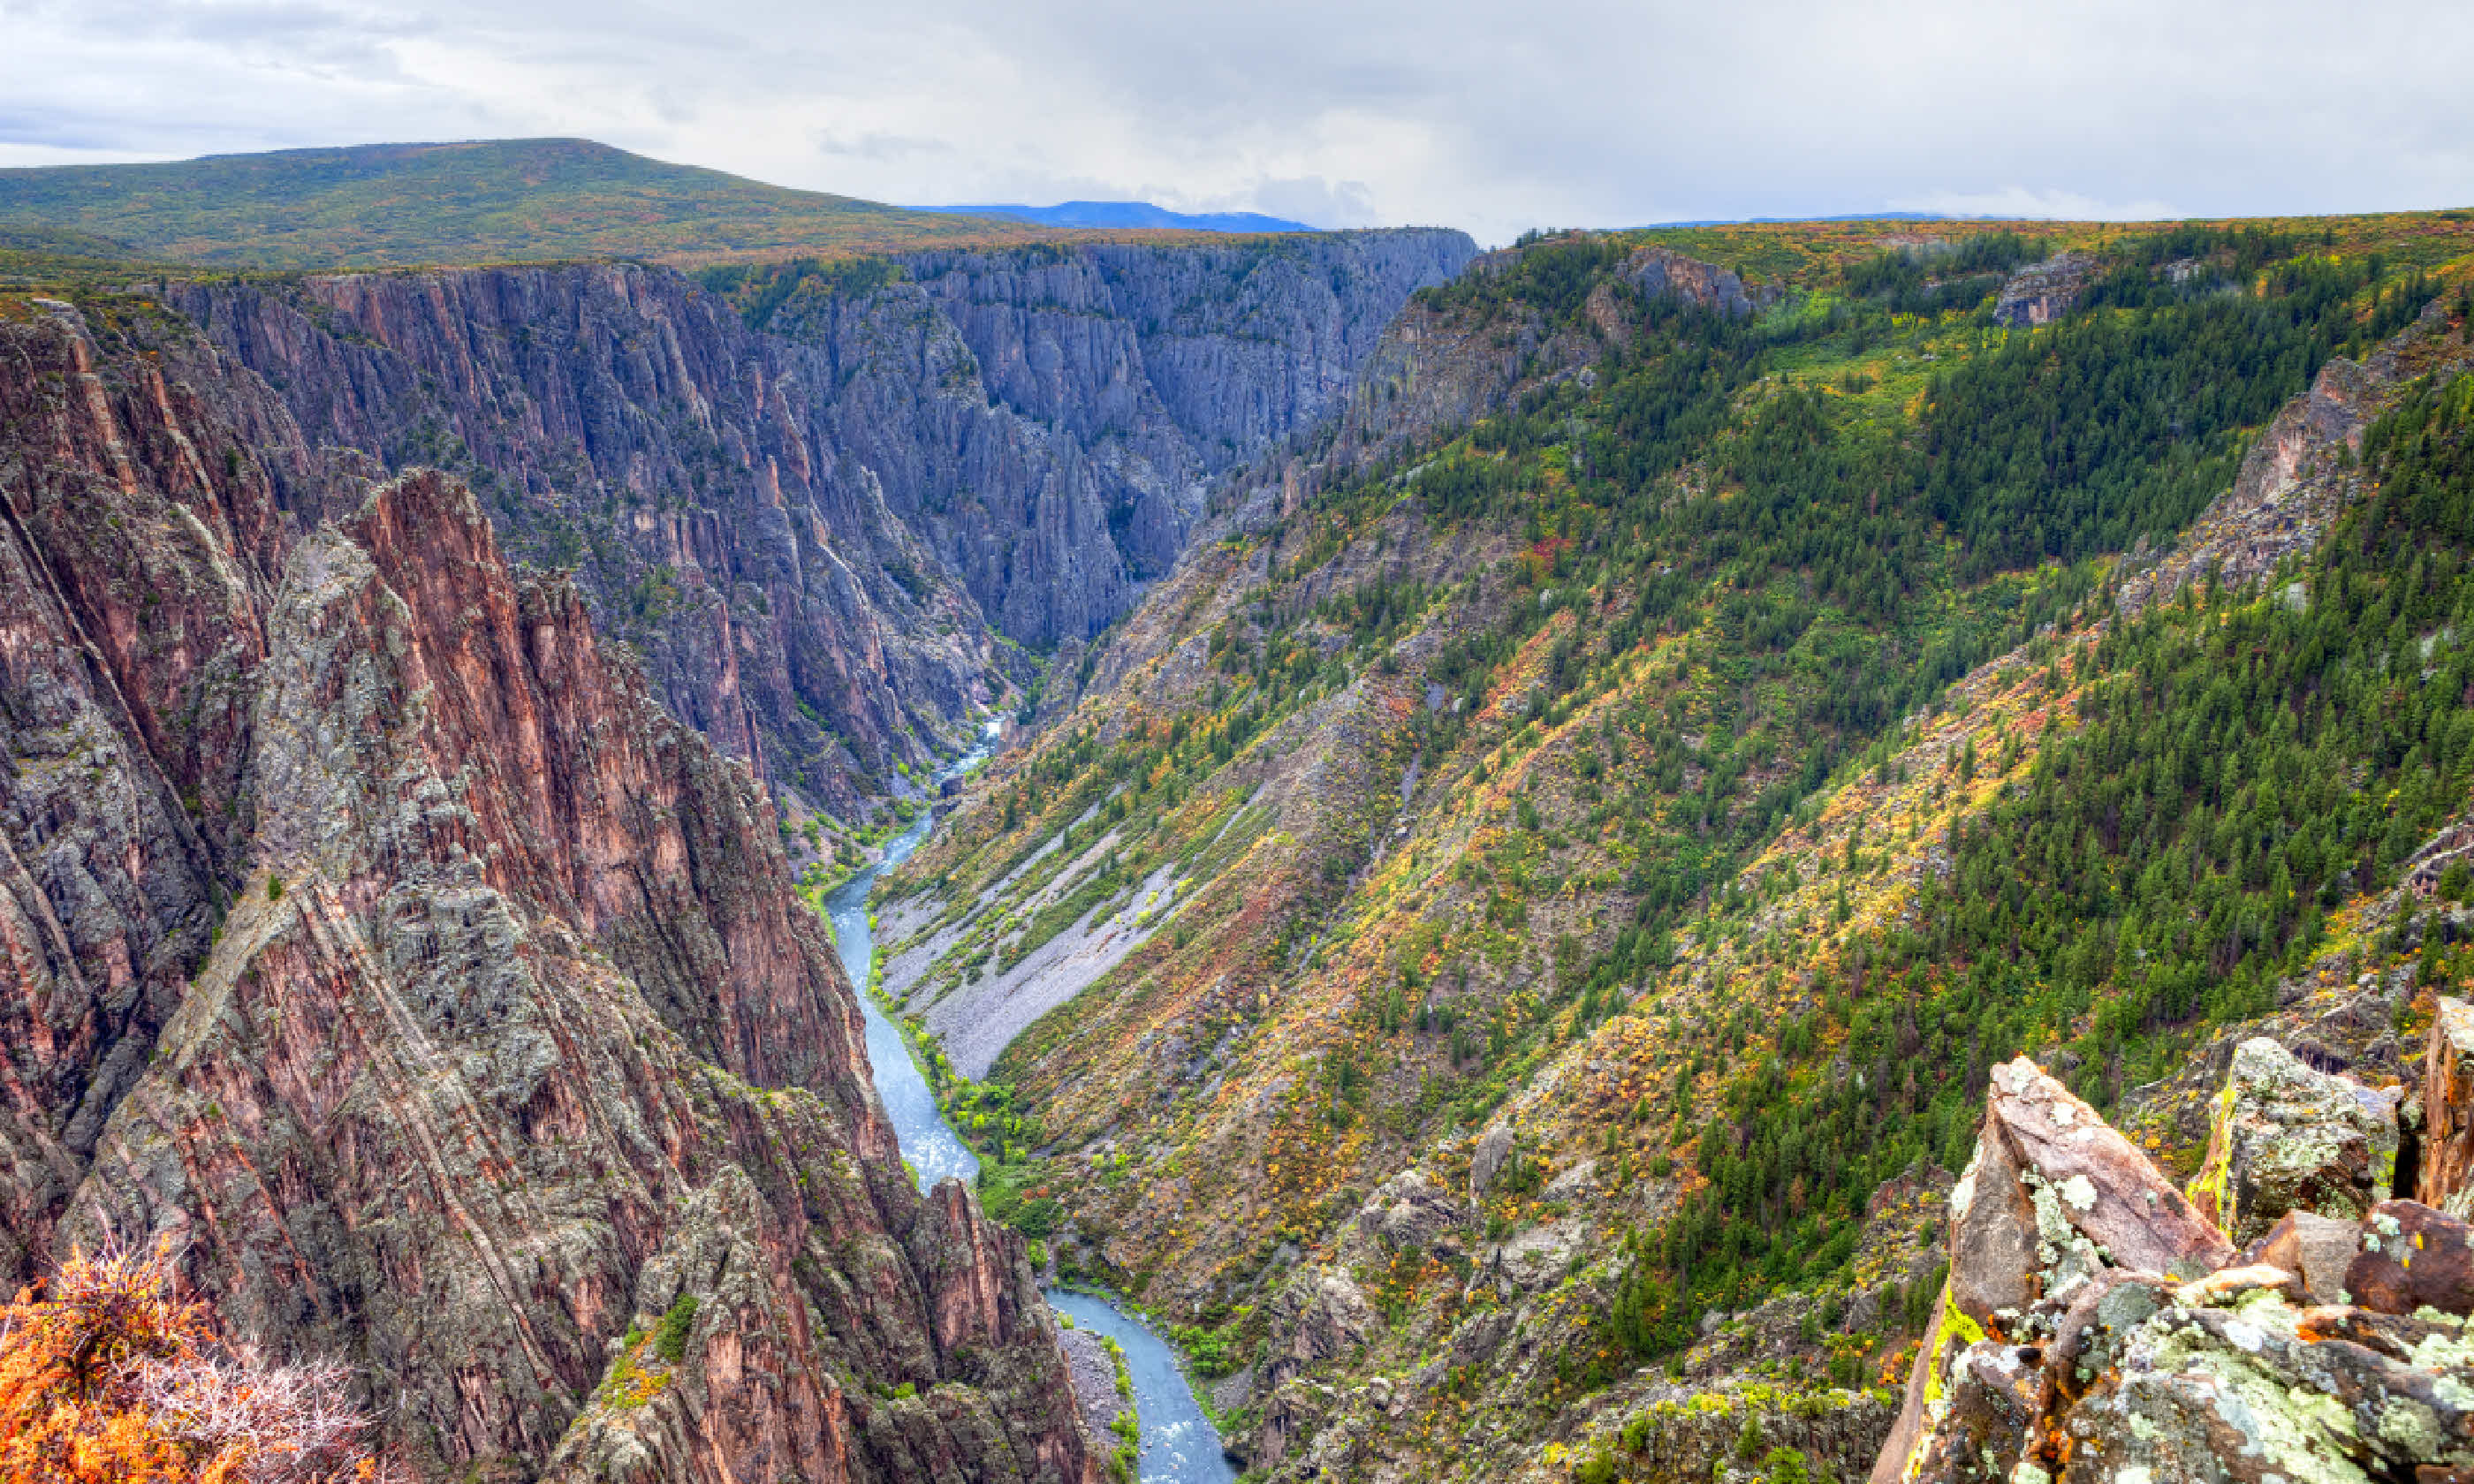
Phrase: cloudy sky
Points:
(1490, 114)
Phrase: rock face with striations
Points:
(816, 534)
(373, 934)
(2041, 292)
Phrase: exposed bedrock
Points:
(370, 932)
(817, 533)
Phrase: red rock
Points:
(514, 1028)
(2446, 1178)
(2317, 1248)
(2412, 1256)
(2107, 1190)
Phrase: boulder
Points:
(2286, 1138)
(2447, 1174)
(2227, 1287)
(2412, 1258)
(2051, 1209)
(1992, 1235)
(2089, 1184)
(2317, 1248)
(2137, 1350)
(1997, 1394)
(1493, 1147)
(2088, 1338)
(2255, 1393)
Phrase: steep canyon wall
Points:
(822, 534)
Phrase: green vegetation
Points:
(670, 1336)
(1665, 640)
(488, 201)
(2241, 762)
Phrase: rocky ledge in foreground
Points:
(2099, 1325)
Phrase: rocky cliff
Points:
(2098, 1325)
(816, 534)
(1053, 418)
(373, 934)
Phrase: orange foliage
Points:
(115, 1380)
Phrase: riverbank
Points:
(1180, 1444)
(1174, 1440)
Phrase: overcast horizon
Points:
(1570, 114)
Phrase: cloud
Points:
(1308, 199)
(878, 145)
(1496, 118)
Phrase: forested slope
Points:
(1533, 888)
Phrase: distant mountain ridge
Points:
(477, 202)
(1123, 214)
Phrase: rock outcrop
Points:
(2288, 1139)
(373, 936)
(2095, 1326)
(1439, 366)
(816, 533)
(619, 421)
(2041, 293)
(2298, 476)
(2446, 1176)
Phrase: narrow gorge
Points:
(408, 681)
(1737, 853)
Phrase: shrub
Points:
(115, 1378)
(671, 1337)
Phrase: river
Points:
(1178, 1443)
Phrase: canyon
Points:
(1542, 804)
(830, 533)
(399, 673)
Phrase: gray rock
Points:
(2041, 292)
(813, 531)
(2286, 1137)
(1409, 1212)
(1320, 1315)
(1493, 1147)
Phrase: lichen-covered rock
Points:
(2251, 1393)
(2412, 1258)
(2077, 1167)
(2288, 1139)
(2056, 1207)
(2446, 1178)
(1993, 1237)
(2087, 1339)
(1994, 1397)
(2053, 1196)
(2186, 1366)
